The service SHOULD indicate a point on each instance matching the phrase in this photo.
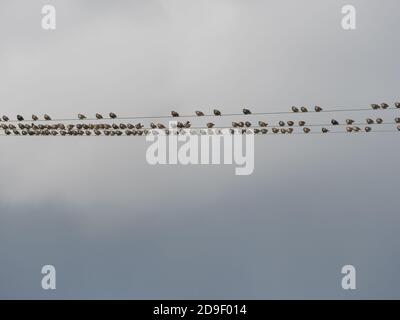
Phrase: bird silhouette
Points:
(324, 130)
(317, 109)
(199, 113)
(210, 125)
(20, 118)
(303, 109)
(294, 109)
(174, 114)
(290, 123)
(217, 112)
(262, 123)
(246, 111)
(384, 105)
(47, 117)
(275, 130)
(397, 120)
(35, 118)
(99, 116)
(112, 115)
(335, 122)
(379, 120)
(289, 130)
(375, 106)
(306, 130)
(349, 129)
(153, 125)
(397, 104)
(160, 126)
(368, 129)
(247, 124)
(281, 123)
(81, 116)
(349, 121)
(264, 131)
(369, 121)
(302, 123)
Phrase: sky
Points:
(114, 226)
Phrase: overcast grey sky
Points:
(116, 227)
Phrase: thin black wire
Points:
(208, 115)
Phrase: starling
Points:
(397, 120)
(246, 111)
(357, 129)
(275, 130)
(247, 124)
(317, 109)
(290, 123)
(5, 118)
(398, 127)
(262, 123)
(349, 121)
(174, 114)
(303, 109)
(375, 106)
(20, 118)
(217, 112)
(369, 121)
(35, 118)
(325, 130)
(349, 129)
(397, 104)
(139, 126)
(199, 113)
(81, 117)
(302, 123)
(289, 130)
(122, 126)
(240, 124)
(294, 109)
(334, 122)
(153, 125)
(112, 115)
(160, 126)
(368, 129)
(283, 130)
(379, 120)
(187, 124)
(281, 124)
(306, 130)
(99, 116)
(264, 131)
(257, 131)
(210, 125)
(47, 117)
(384, 105)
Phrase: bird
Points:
(199, 113)
(375, 106)
(264, 131)
(115, 126)
(275, 130)
(398, 127)
(289, 130)
(281, 124)
(324, 130)
(303, 109)
(210, 125)
(349, 121)
(397, 104)
(122, 126)
(20, 118)
(368, 129)
(369, 121)
(217, 112)
(240, 124)
(356, 129)
(179, 125)
(35, 118)
(174, 114)
(290, 123)
(47, 117)
(379, 120)
(160, 126)
(5, 118)
(235, 124)
(334, 122)
(247, 124)
(112, 115)
(302, 123)
(294, 109)
(246, 111)
(99, 116)
(384, 105)
(317, 109)
(283, 130)
(397, 120)
(262, 123)
(257, 131)
(130, 126)
(349, 129)
(153, 125)
(81, 116)
(139, 126)
(306, 130)
(187, 124)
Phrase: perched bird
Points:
(187, 124)
(283, 130)
(317, 109)
(179, 125)
(122, 126)
(47, 117)
(294, 109)
(290, 123)
(275, 130)
(99, 116)
(397, 104)
(306, 130)
(246, 111)
(139, 126)
(174, 114)
(247, 124)
(210, 125)
(257, 131)
(130, 126)
(375, 106)
(153, 125)
(289, 130)
(349, 129)
(199, 113)
(379, 120)
(262, 123)
(384, 105)
(235, 124)
(35, 118)
(264, 131)
(160, 126)
(398, 127)
(368, 129)
(302, 123)
(240, 124)
(356, 129)
(112, 115)
(81, 117)
(217, 112)
(232, 131)
(281, 124)
(334, 122)
(5, 118)
(397, 120)
(369, 121)
(20, 118)
(115, 126)
(303, 109)
(349, 121)
(324, 130)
